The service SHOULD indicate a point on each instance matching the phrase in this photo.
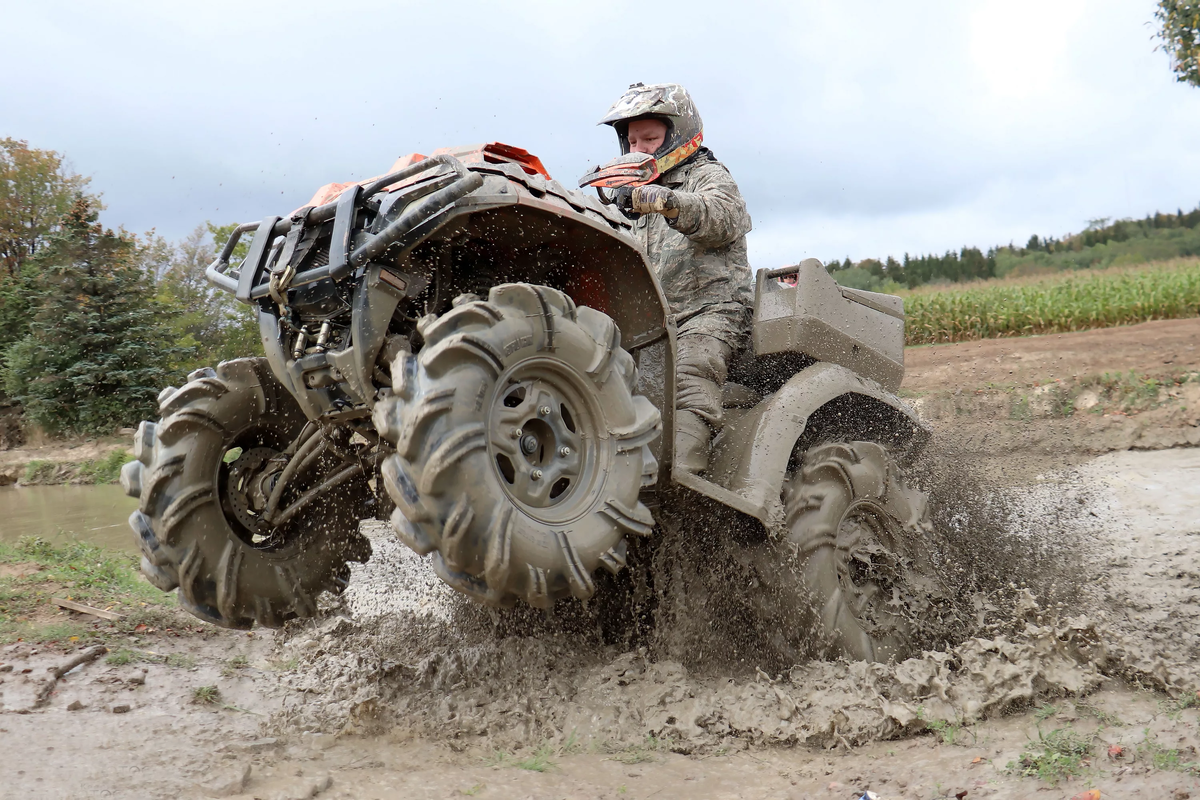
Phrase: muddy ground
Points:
(401, 690)
(56, 462)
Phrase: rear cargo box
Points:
(862, 331)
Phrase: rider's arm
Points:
(712, 213)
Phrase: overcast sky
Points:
(862, 129)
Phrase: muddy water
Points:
(96, 514)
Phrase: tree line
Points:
(1179, 37)
(1102, 243)
(94, 322)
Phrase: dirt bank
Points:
(1051, 402)
(68, 461)
(1153, 348)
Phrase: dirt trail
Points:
(1148, 348)
(414, 697)
(405, 690)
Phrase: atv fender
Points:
(751, 457)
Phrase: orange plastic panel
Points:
(496, 153)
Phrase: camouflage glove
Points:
(655, 200)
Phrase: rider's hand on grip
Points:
(655, 200)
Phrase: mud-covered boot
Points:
(692, 438)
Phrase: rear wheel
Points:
(862, 540)
(205, 476)
(521, 447)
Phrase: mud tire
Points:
(861, 536)
(188, 537)
(527, 356)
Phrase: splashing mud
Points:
(1042, 599)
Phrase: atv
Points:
(485, 356)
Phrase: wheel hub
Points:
(542, 434)
(870, 570)
(248, 484)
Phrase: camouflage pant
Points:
(700, 370)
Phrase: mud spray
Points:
(699, 648)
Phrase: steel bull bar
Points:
(249, 285)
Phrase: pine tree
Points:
(98, 349)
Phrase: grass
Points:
(1055, 756)
(39, 472)
(104, 470)
(1164, 758)
(128, 655)
(206, 695)
(1106, 719)
(123, 657)
(1045, 712)
(1074, 301)
(538, 761)
(1176, 707)
(1110, 393)
(946, 731)
(181, 660)
(94, 471)
(233, 665)
(80, 571)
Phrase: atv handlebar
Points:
(465, 182)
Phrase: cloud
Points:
(860, 129)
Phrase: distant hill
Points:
(1125, 242)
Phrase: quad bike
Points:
(486, 355)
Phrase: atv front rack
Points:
(252, 283)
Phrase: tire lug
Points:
(536, 474)
(564, 451)
(516, 433)
(544, 411)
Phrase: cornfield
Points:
(1073, 302)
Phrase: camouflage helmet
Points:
(668, 102)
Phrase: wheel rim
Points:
(870, 568)
(545, 430)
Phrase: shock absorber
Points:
(323, 334)
(301, 342)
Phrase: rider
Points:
(693, 227)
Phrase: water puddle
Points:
(95, 514)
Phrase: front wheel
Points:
(861, 536)
(521, 447)
(231, 447)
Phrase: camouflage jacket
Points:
(700, 256)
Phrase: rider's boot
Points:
(692, 439)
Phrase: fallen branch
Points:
(84, 657)
(87, 656)
(111, 616)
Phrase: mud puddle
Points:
(60, 514)
(406, 690)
